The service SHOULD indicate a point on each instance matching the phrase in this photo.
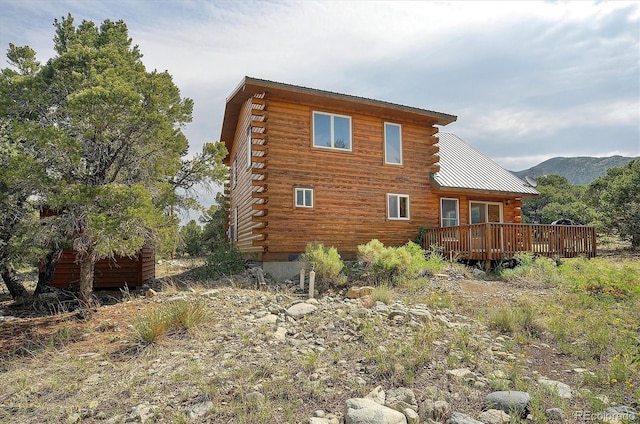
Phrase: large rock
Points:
(141, 413)
(301, 309)
(358, 292)
(494, 416)
(460, 418)
(199, 409)
(619, 414)
(366, 411)
(462, 374)
(439, 410)
(377, 395)
(401, 398)
(509, 401)
(562, 389)
(411, 416)
(555, 414)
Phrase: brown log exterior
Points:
(268, 131)
(108, 273)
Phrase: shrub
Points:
(174, 317)
(326, 263)
(532, 269)
(382, 294)
(602, 279)
(514, 320)
(225, 260)
(391, 265)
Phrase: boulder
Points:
(358, 292)
(562, 389)
(377, 395)
(199, 409)
(619, 414)
(460, 418)
(301, 309)
(366, 411)
(555, 414)
(494, 416)
(439, 410)
(509, 401)
(401, 398)
(411, 416)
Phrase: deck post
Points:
(487, 250)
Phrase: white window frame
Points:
(332, 116)
(499, 204)
(398, 197)
(304, 190)
(386, 156)
(249, 146)
(442, 218)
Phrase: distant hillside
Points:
(579, 170)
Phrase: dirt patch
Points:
(478, 287)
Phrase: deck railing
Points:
(496, 241)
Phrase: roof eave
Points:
(250, 86)
(485, 192)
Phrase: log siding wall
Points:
(109, 273)
(249, 188)
(349, 187)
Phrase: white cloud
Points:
(512, 71)
(518, 123)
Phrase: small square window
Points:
(304, 197)
(397, 206)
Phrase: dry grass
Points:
(205, 348)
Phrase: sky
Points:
(527, 80)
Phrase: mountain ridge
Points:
(579, 170)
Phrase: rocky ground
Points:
(274, 356)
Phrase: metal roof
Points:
(465, 168)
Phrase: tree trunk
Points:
(635, 242)
(87, 266)
(16, 289)
(45, 275)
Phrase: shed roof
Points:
(462, 167)
(250, 86)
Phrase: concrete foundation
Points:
(283, 270)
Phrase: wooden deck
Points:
(498, 241)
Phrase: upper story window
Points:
(331, 131)
(392, 143)
(449, 212)
(397, 206)
(304, 197)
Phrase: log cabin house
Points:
(309, 165)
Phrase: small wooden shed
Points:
(109, 273)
